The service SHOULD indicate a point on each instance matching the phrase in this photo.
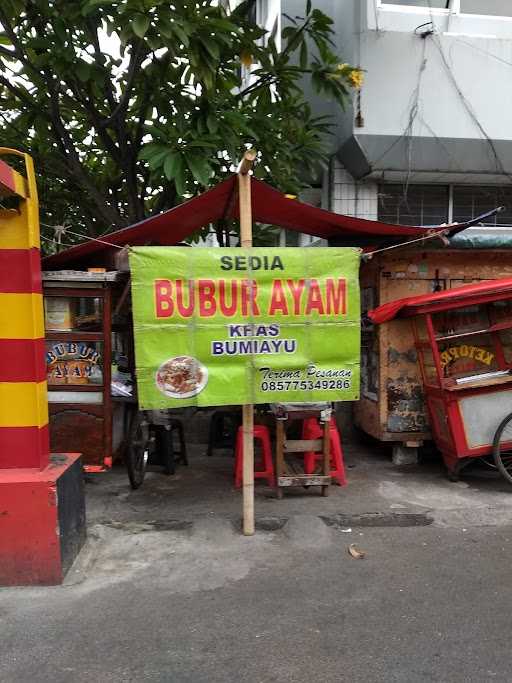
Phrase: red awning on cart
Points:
(466, 295)
(221, 202)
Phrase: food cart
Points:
(78, 310)
(391, 408)
(463, 342)
(90, 371)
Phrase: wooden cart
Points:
(78, 322)
(463, 341)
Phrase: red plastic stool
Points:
(311, 429)
(261, 433)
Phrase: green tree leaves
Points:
(140, 25)
(130, 106)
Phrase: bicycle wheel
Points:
(139, 449)
(502, 448)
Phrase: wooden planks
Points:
(303, 445)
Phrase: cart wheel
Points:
(139, 449)
(502, 448)
(452, 475)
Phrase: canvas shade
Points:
(269, 206)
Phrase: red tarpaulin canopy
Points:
(466, 295)
(221, 202)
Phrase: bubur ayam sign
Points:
(233, 326)
(72, 363)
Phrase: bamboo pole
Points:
(244, 195)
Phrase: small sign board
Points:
(236, 326)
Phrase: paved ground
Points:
(376, 488)
(168, 590)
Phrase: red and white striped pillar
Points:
(24, 441)
(42, 505)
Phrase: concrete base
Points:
(42, 521)
(405, 455)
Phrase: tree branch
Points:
(19, 93)
(98, 54)
(166, 199)
(18, 47)
(135, 61)
(7, 53)
(104, 211)
(95, 119)
(260, 83)
(139, 129)
(283, 58)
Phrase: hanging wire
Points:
(94, 239)
(413, 109)
(88, 238)
(60, 244)
(376, 13)
(440, 234)
(480, 50)
(467, 105)
(415, 112)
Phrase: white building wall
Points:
(352, 197)
(434, 82)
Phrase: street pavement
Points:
(167, 589)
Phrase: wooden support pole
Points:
(246, 165)
(244, 194)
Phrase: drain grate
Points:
(152, 525)
(270, 523)
(378, 519)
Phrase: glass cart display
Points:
(78, 364)
(463, 339)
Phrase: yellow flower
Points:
(356, 78)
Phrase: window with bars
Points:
(413, 205)
(434, 204)
(470, 201)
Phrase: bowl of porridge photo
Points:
(181, 377)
